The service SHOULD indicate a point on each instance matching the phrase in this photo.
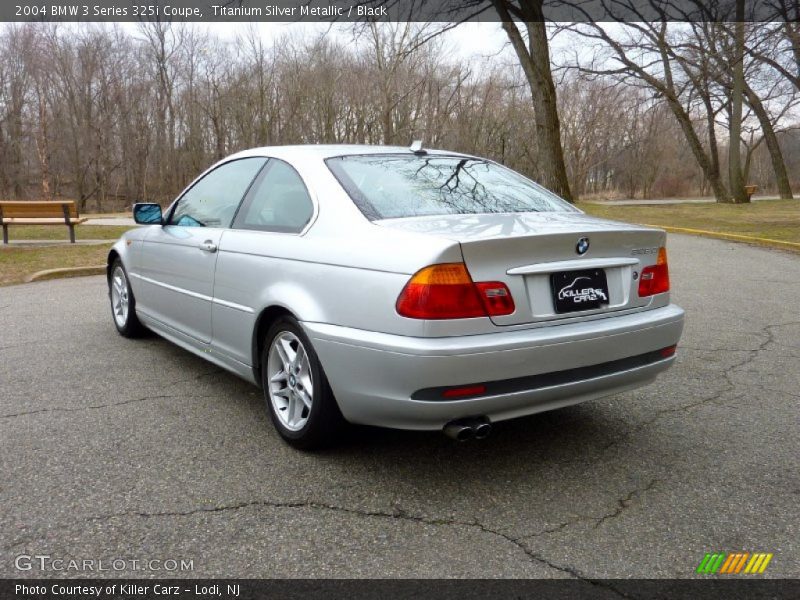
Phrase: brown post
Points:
(65, 209)
(5, 227)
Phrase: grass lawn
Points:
(772, 219)
(17, 263)
(61, 232)
(776, 220)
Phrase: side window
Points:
(278, 201)
(212, 201)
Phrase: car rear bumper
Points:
(391, 380)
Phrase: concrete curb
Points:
(68, 272)
(734, 237)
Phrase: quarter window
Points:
(212, 201)
(278, 201)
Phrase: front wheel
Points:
(123, 304)
(296, 390)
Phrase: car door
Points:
(275, 212)
(178, 259)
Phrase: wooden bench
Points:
(750, 190)
(21, 212)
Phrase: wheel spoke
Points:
(300, 359)
(294, 412)
(283, 393)
(278, 377)
(305, 380)
(305, 397)
(286, 353)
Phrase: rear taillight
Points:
(496, 298)
(655, 278)
(446, 291)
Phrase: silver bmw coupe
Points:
(407, 288)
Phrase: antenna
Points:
(416, 148)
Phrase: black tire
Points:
(324, 422)
(128, 325)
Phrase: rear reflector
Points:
(655, 278)
(668, 351)
(469, 390)
(446, 291)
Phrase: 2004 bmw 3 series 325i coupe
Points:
(396, 287)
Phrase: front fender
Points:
(128, 249)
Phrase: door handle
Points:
(208, 246)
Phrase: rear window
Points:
(396, 186)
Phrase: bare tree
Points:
(737, 99)
(645, 53)
(108, 117)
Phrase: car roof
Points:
(323, 151)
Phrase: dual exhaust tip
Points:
(471, 428)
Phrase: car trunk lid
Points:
(537, 256)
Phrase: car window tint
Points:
(278, 201)
(395, 186)
(212, 201)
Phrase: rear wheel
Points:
(123, 304)
(296, 390)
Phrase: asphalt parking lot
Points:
(113, 448)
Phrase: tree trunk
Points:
(709, 171)
(738, 193)
(791, 29)
(43, 149)
(775, 153)
(535, 61)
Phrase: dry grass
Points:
(773, 219)
(18, 263)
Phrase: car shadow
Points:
(575, 435)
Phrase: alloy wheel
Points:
(119, 296)
(291, 386)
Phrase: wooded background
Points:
(112, 115)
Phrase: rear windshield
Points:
(388, 186)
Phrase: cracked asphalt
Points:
(112, 448)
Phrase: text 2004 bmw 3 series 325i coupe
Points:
(402, 288)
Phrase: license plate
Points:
(579, 290)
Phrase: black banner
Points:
(391, 10)
(347, 589)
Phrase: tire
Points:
(123, 303)
(305, 420)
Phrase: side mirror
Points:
(147, 213)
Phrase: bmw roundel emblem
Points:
(582, 246)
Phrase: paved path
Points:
(120, 221)
(659, 201)
(136, 449)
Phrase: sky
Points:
(468, 39)
(475, 42)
